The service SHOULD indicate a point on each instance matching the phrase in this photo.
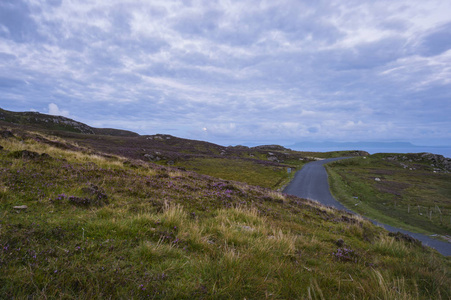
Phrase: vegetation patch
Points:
(411, 191)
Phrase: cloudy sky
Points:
(234, 72)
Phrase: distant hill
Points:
(353, 145)
(159, 148)
(49, 122)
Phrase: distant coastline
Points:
(445, 151)
(442, 150)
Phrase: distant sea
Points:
(445, 151)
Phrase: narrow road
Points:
(311, 183)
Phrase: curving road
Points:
(311, 183)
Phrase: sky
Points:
(234, 72)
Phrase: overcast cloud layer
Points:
(234, 72)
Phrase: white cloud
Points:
(275, 69)
(54, 110)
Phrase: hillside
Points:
(79, 223)
(36, 121)
(264, 165)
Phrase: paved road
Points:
(311, 183)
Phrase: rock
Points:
(273, 158)
(377, 179)
(153, 157)
(21, 207)
(149, 156)
(438, 160)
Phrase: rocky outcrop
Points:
(159, 137)
(438, 162)
(65, 122)
(50, 122)
(155, 156)
(272, 157)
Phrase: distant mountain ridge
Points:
(50, 122)
(355, 144)
(372, 147)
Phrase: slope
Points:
(78, 224)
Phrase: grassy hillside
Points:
(35, 120)
(76, 223)
(265, 165)
(411, 191)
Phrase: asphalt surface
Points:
(311, 183)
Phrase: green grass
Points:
(146, 231)
(251, 168)
(417, 199)
(249, 171)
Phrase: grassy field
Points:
(252, 172)
(253, 168)
(98, 227)
(406, 194)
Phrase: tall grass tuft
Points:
(387, 245)
(394, 289)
